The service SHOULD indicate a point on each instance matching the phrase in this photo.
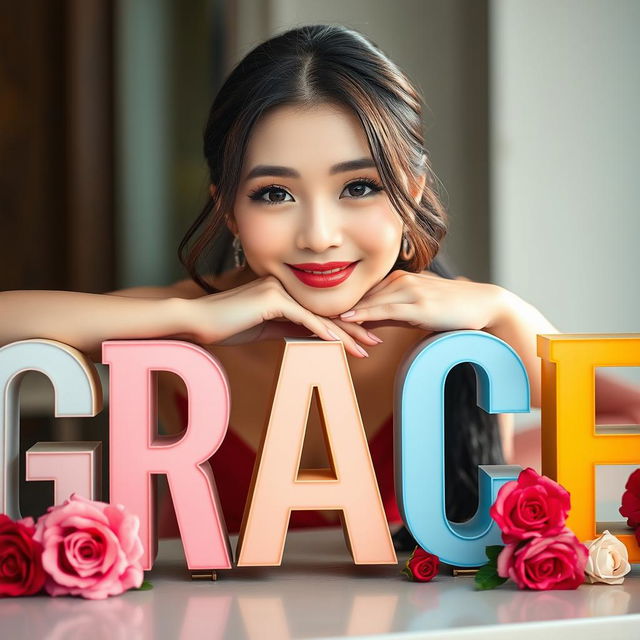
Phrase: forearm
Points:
(617, 402)
(85, 320)
(518, 323)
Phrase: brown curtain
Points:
(56, 145)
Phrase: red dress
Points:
(232, 466)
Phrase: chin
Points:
(328, 307)
(330, 301)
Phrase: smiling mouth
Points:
(333, 275)
(325, 271)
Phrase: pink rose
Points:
(91, 549)
(555, 562)
(531, 506)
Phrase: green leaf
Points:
(145, 586)
(488, 578)
(407, 573)
(493, 551)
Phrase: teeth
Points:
(326, 272)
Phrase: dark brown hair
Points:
(307, 66)
(327, 63)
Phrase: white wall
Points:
(565, 156)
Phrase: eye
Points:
(361, 188)
(274, 195)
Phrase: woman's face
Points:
(310, 195)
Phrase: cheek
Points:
(379, 234)
(263, 239)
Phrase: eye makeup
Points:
(257, 195)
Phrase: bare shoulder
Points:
(433, 274)
(186, 288)
(229, 279)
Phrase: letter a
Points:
(278, 485)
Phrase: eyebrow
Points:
(261, 170)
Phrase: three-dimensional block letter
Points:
(78, 393)
(138, 454)
(279, 485)
(74, 467)
(571, 444)
(502, 387)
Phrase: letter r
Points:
(138, 454)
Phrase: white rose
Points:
(608, 560)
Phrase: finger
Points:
(385, 297)
(390, 279)
(349, 341)
(358, 332)
(388, 286)
(325, 329)
(392, 311)
(374, 290)
(282, 327)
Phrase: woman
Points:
(316, 160)
(322, 195)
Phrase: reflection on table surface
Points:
(317, 592)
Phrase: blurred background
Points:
(531, 120)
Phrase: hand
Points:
(427, 301)
(261, 310)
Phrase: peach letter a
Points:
(279, 486)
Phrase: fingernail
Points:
(347, 314)
(333, 335)
(362, 351)
(373, 336)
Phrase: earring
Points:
(238, 254)
(407, 251)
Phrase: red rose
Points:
(21, 572)
(422, 565)
(529, 507)
(630, 508)
(555, 562)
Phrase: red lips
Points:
(323, 280)
(318, 266)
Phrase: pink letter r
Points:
(137, 454)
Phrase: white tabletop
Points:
(318, 592)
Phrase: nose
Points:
(320, 228)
